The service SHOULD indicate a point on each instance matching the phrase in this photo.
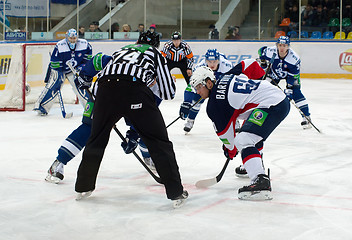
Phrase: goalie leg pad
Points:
(80, 93)
(48, 95)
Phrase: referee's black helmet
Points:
(176, 35)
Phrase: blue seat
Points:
(304, 34)
(292, 34)
(316, 35)
(328, 35)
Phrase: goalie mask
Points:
(71, 38)
(150, 38)
(200, 76)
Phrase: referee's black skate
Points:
(240, 171)
(260, 189)
(180, 200)
(55, 172)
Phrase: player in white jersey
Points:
(286, 65)
(262, 106)
(73, 50)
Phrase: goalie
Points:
(73, 50)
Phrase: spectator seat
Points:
(334, 22)
(328, 35)
(316, 35)
(279, 34)
(304, 34)
(340, 34)
(285, 22)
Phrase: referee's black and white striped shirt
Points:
(146, 64)
(179, 53)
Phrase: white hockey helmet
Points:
(71, 38)
(200, 76)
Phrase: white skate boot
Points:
(55, 172)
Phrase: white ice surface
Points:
(311, 180)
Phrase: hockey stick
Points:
(64, 114)
(180, 116)
(119, 133)
(212, 181)
(299, 110)
(137, 156)
(269, 67)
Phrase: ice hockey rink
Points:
(310, 172)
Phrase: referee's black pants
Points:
(182, 65)
(135, 101)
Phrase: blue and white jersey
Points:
(223, 67)
(63, 54)
(287, 68)
(235, 97)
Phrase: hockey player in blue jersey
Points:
(286, 66)
(219, 64)
(76, 141)
(73, 50)
(262, 106)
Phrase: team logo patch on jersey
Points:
(136, 106)
(88, 109)
(258, 117)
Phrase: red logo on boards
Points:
(345, 60)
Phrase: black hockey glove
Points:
(229, 153)
(184, 110)
(131, 141)
(263, 63)
(83, 82)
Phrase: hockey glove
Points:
(289, 93)
(131, 142)
(230, 153)
(263, 63)
(83, 82)
(184, 110)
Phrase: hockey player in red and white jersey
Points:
(217, 62)
(262, 106)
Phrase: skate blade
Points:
(52, 179)
(241, 175)
(255, 196)
(83, 195)
(307, 126)
(68, 115)
(178, 203)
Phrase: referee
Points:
(179, 55)
(124, 92)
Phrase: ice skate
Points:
(55, 172)
(149, 162)
(260, 189)
(83, 195)
(240, 171)
(41, 111)
(188, 125)
(305, 123)
(180, 200)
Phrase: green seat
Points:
(346, 22)
(334, 22)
